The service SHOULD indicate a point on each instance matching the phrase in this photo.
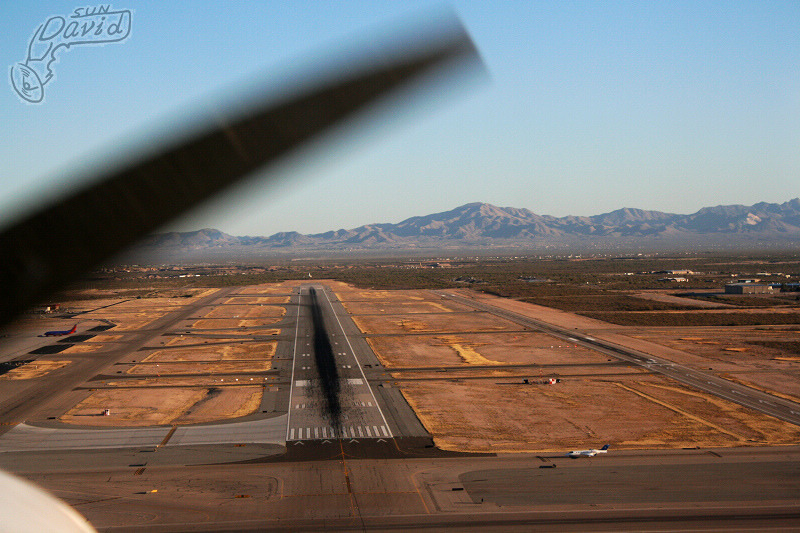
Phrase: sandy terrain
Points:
(135, 314)
(228, 323)
(440, 350)
(472, 406)
(195, 341)
(737, 353)
(432, 323)
(195, 367)
(168, 395)
(152, 407)
(34, 369)
(215, 353)
(670, 299)
(478, 409)
(258, 300)
(371, 307)
(84, 348)
(642, 412)
(167, 381)
(231, 310)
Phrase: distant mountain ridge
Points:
(479, 225)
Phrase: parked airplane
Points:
(588, 453)
(60, 333)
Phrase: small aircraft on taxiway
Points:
(588, 453)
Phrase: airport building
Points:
(748, 288)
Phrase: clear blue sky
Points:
(592, 106)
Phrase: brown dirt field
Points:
(178, 381)
(744, 425)
(424, 323)
(84, 348)
(698, 347)
(245, 311)
(403, 352)
(102, 337)
(516, 375)
(135, 314)
(132, 322)
(153, 407)
(34, 369)
(424, 350)
(258, 300)
(85, 305)
(710, 342)
(267, 289)
(226, 403)
(222, 323)
(402, 308)
(638, 411)
(480, 416)
(483, 417)
(669, 298)
(349, 294)
(224, 367)
(733, 353)
(204, 292)
(195, 340)
(215, 353)
(784, 384)
(545, 314)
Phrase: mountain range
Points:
(485, 226)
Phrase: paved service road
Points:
(361, 415)
(740, 394)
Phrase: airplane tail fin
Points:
(73, 329)
(606, 447)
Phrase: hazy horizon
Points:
(591, 107)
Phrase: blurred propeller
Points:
(49, 248)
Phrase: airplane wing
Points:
(42, 252)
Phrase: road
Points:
(734, 392)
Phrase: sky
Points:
(588, 107)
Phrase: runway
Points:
(361, 416)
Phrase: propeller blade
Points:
(56, 245)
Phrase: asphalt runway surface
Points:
(293, 467)
(318, 379)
